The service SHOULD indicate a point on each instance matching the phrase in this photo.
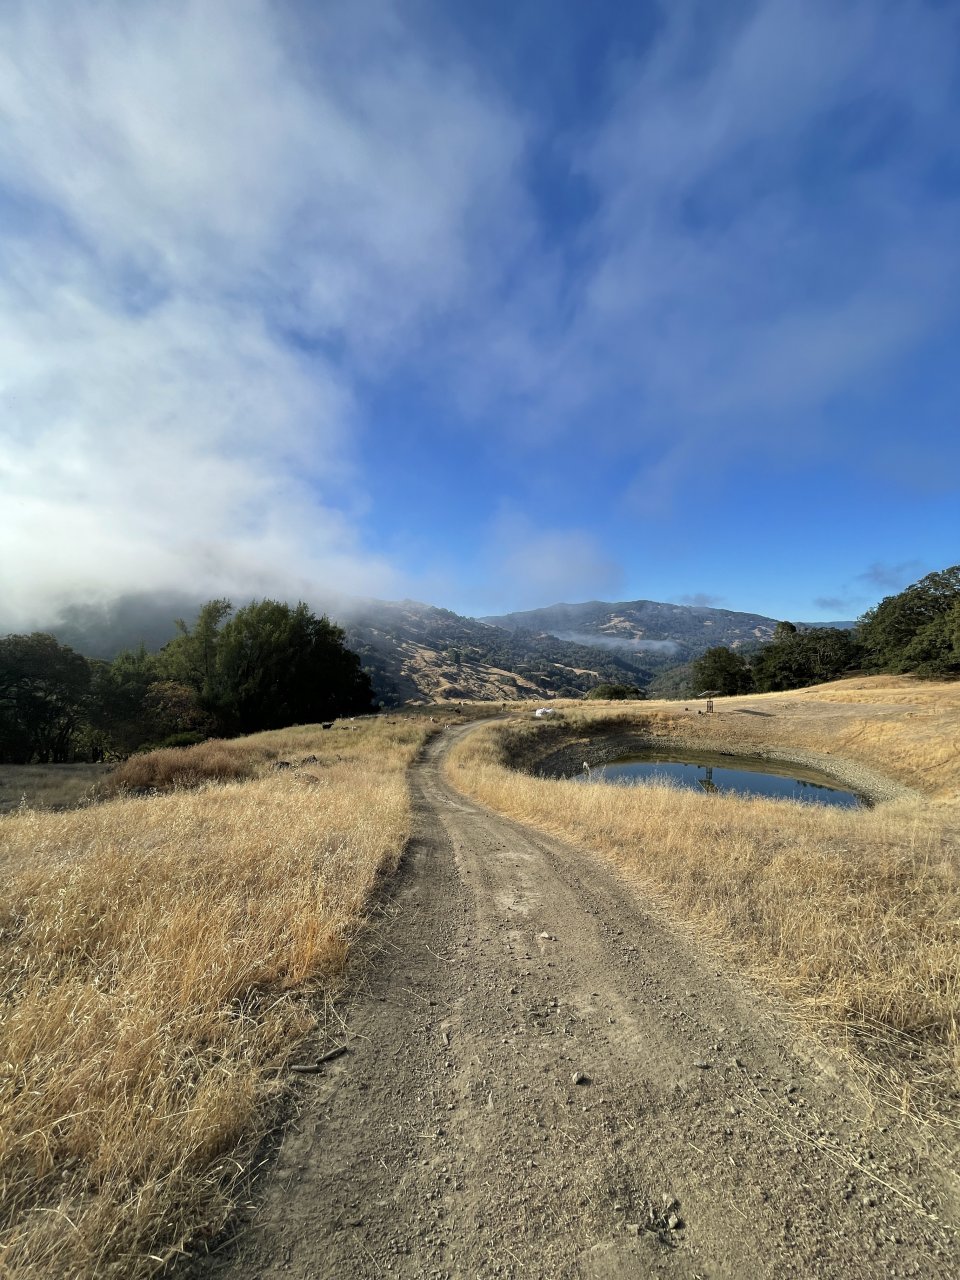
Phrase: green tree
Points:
(935, 649)
(615, 692)
(173, 715)
(723, 671)
(912, 631)
(118, 695)
(267, 666)
(132, 706)
(191, 658)
(794, 658)
(44, 689)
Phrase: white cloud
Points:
(192, 138)
(174, 452)
(220, 220)
(214, 216)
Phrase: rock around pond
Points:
(712, 772)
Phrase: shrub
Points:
(616, 692)
(183, 767)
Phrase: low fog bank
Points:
(632, 644)
(102, 629)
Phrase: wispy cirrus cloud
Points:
(765, 232)
(226, 229)
(762, 189)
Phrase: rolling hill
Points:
(647, 627)
(416, 652)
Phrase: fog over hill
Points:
(104, 629)
(682, 631)
(412, 651)
(416, 652)
(648, 625)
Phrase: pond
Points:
(706, 771)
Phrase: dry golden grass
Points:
(218, 760)
(856, 914)
(163, 956)
(906, 728)
(47, 786)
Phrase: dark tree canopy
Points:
(797, 658)
(616, 692)
(722, 671)
(267, 666)
(134, 704)
(916, 630)
(44, 688)
(191, 658)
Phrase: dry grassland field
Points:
(163, 955)
(854, 914)
(47, 786)
(171, 949)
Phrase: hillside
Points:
(420, 652)
(650, 627)
(416, 651)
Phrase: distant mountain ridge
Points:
(413, 652)
(679, 630)
(417, 652)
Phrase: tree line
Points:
(264, 666)
(916, 630)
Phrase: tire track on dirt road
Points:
(548, 1079)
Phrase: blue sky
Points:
(489, 305)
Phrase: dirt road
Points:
(547, 1079)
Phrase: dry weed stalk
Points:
(156, 955)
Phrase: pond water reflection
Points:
(709, 772)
